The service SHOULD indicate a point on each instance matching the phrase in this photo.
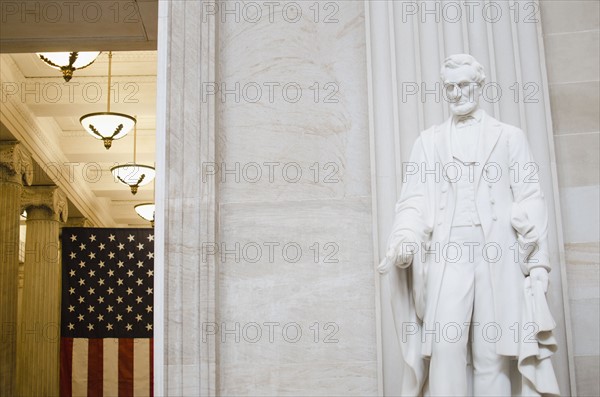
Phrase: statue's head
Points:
(463, 78)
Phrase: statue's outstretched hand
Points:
(399, 255)
(384, 266)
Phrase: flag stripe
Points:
(126, 367)
(111, 367)
(66, 366)
(152, 367)
(80, 370)
(95, 364)
(141, 369)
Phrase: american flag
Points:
(106, 312)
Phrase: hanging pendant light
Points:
(68, 62)
(146, 211)
(133, 174)
(108, 125)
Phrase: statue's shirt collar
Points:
(469, 119)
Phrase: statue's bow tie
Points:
(465, 121)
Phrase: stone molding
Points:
(188, 119)
(78, 222)
(49, 197)
(16, 164)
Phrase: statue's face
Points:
(462, 90)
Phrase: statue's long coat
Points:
(506, 177)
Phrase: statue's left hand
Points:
(540, 274)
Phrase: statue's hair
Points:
(458, 60)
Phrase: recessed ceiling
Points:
(33, 26)
(43, 99)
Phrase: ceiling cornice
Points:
(125, 43)
(116, 25)
(130, 56)
(103, 79)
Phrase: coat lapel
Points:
(491, 130)
(443, 143)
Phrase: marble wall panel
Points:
(266, 134)
(296, 99)
(564, 16)
(579, 163)
(585, 315)
(587, 369)
(580, 213)
(584, 273)
(571, 30)
(318, 379)
(330, 298)
(583, 261)
(575, 56)
(575, 107)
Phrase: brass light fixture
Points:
(132, 174)
(146, 211)
(108, 125)
(68, 62)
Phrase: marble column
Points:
(311, 128)
(39, 332)
(184, 356)
(16, 170)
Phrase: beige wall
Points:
(571, 31)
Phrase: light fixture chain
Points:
(135, 140)
(109, 78)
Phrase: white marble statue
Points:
(468, 259)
